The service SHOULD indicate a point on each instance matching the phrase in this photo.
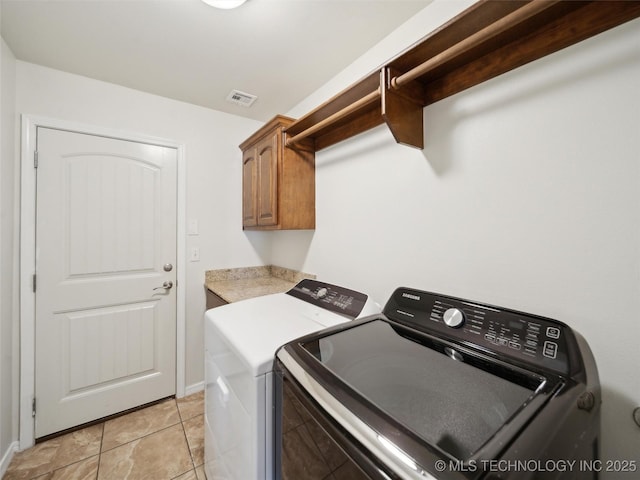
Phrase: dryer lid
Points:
(252, 330)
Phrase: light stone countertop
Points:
(235, 284)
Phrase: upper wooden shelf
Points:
(488, 39)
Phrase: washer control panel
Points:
(532, 339)
(348, 303)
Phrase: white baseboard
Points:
(195, 388)
(6, 458)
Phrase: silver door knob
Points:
(166, 285)
(167, 267)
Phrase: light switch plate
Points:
(192, 226)
(195, 254)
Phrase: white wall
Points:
(527, 195)
(8, 281)
(212, 163)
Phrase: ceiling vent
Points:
(241, 98)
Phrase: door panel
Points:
(108, 344)
(106, 224)
(102, 240)
(249, 189)
(268, 180)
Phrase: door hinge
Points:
(35, 159)
(34, 283)
(33, 407)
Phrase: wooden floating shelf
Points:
(488, 39)
(356, 121)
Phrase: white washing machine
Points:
(240, 343)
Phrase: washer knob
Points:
(322, 292)
(453, 317)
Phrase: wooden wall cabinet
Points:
(278, 182)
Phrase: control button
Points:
(322, 292)
(515, 345)
(550, 349)
(553, 332)
(453, 317)
(489, 338)
(503, 342)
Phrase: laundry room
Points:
(468, 170)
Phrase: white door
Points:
(105, 241)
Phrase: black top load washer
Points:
(438, 387)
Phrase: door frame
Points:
(30, 123)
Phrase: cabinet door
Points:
(267, 153)
(249, 188)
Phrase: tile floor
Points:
(163, 441)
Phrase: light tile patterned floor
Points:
(164, 441)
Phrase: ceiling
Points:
(279, 50)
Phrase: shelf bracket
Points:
(402, 110)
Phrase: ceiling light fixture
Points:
(226, 4)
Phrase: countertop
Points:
(235, 284)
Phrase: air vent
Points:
(241, 98)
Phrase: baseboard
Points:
(195, 388)
(6, 458)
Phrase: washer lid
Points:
(446, 401)
(254, 329)
(416, 390)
